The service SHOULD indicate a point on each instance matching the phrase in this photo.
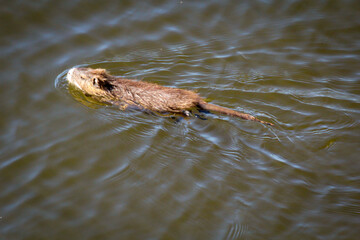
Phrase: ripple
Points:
(117, 174)
(237, 231)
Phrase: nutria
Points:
(126, 93)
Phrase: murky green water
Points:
(73, 169)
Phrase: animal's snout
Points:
(70, 74)
(72, 77)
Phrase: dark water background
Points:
(71, 169)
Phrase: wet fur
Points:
(149, 96)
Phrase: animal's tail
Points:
(227, 111)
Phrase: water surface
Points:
(74, 169)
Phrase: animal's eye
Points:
(95, 81)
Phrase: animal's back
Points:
(155, 97)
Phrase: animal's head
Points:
(93, 82)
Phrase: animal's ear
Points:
(103, 84)
(100, 71)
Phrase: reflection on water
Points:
(73, 168)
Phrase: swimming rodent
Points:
(126, 93)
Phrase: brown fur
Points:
(144, 95)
